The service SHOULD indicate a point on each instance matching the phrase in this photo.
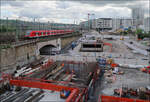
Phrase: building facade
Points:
(102, 24)
(120, 23)
(147, 24)
(138, 16)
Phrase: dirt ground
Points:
(132, 78)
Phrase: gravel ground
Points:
(131, 78)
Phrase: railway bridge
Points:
(24, 52)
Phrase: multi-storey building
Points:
(147, 24)
(138, 16)
(102, 24)
(122, 23)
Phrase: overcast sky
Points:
(69, 11)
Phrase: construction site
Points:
(98, 68)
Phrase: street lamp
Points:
(17, 33)
(81, 27)
(89, 25)
(7, 25)
(93, 19)
(38, 24)
(88, 22)
(20, 28)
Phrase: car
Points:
(146, 39)
(55, 51)
(148, 49)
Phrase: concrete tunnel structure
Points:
(46, 50)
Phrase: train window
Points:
(37, 33)
(28, 33)
(33, 33)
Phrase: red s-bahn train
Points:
(44, 33)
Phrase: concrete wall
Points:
(17, 56)
(25, 54)
(7, 59)
(67, 40)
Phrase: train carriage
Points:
(44, 33)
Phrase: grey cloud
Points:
(71, 9)
(62, 5)
(111, 13)
(116, 3)
(14, 3)
(107, 2)
(120, 3)
(32, 12)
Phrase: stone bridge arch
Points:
(46, 50)
(52, 43)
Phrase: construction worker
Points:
(73, 45)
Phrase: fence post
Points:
(99, 99)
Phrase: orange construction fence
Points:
(75, 96)
(49, 86)
(38, 84)
(103, 98)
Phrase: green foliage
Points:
(5, 46)
(142, 34)
(123, 32)
(129, 31)
(138, 31)
(4, 28)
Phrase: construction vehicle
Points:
(144, 93)
(141, 93)
(122, 92)
(146, 69)
(121, 38)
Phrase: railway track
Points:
(36, 97)
(15, 96)
(24, 96)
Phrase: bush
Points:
(3, 28)
(140, 33)
(145, 35)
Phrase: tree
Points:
(138, 31)
(3, 28)
(129, 30)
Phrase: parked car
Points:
(146, 39)
(55, 51)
